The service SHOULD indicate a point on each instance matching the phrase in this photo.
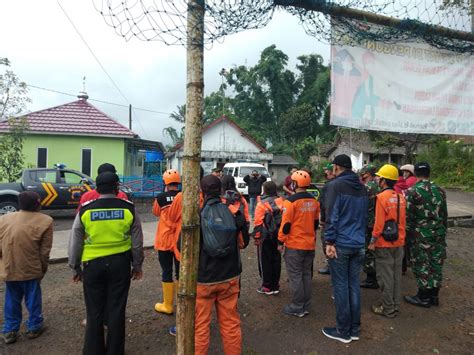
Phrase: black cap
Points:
(422, 169)
(107, 179)
(106, 167)
(211, 184)
(343, 160)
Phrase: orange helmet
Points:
(301, 178)
(171, 176)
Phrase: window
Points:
(42, 158)
(246, 170)
(43, 176)
(86, 161)
(67, 177)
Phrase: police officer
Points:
(367, 175)
(427, 224)
(107, 238)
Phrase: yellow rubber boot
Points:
(168, 293)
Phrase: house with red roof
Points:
(82, 137)
(223, 141)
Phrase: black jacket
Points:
(255, 184)
(216, 270)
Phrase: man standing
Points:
(288, 185)
(328, 175)
(254, 183)
(297, 235)
(346, 205)
(367, 175)
(427, 224)
(218, 285)
(107, 238)
(26, 238)
(388, 247)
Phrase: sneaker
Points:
(382, 312)
(10, 337)
(306, 313)
(287, 310)
(32, 334)
(276, 291)
(172, 330)
(324, 271)
(265, 291)
(333, 333)
(355, 337)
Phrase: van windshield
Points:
(247, 170)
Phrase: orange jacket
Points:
(262, 208)
(166, 229)
(299, 221)
(386, 209)
(233, 208)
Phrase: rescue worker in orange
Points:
(389, 209)
(265, 233)
(297, 237)
(165, 238)
(218, 284)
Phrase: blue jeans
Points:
(345, 270)
(14, 294)
(252, 205)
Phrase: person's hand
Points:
(77, 278)
(331, 252)
(137, 275)
(371, 246)
(281, 248)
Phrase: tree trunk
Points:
(191, 169)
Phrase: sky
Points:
(46, 51)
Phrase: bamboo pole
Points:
(356, 14)
(186, 294)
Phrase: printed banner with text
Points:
(402, 87)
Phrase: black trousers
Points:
(166, 259)
(269, 264)
(106, 284)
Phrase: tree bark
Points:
(191, 168)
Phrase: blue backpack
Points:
(219, 230)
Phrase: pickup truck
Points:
(59, 188)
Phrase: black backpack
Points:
(219, 230)
(271, 220)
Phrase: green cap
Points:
(369, 168)
(328, 166)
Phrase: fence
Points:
(143, 186)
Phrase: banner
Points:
(402, 87)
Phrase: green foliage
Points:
(452, 163)
(13, 101)
(11, 146)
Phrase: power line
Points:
(95, 100)
(90, 50)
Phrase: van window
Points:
(236, 171)
(247, 170)
(227, 171)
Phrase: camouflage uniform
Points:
(369, 261)
(426, 232)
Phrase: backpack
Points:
(219, 230)
(231, 197)
(271, 220)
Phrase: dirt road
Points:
(448, 329)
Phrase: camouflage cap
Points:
(368, 169)
(328, 166)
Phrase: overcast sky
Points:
(46, 51)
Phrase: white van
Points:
(240, 170)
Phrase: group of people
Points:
(366, 219)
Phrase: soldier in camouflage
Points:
(329, 175)
(427, 222)
(367, 175)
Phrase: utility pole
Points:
(190, 232)
(130, 117)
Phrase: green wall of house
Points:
(68, 150)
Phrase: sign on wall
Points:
(402, 87)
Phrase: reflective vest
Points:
(107, 223)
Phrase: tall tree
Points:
(13, 100)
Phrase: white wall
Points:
(224, 137)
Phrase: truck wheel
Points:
(8, 207)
